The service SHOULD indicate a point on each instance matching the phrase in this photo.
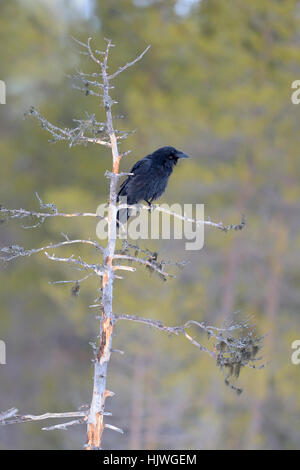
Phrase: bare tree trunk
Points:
(154, 418)
(272, 308)
(233, 256)
(95, 419)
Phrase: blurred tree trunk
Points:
(137, 405)
(272, 303)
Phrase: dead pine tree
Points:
(235, 345)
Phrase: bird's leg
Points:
(149, 204)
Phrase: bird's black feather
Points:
(149, 179)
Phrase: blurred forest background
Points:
(216, 83)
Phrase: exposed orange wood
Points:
(116, 165)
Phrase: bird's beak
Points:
(182, 155)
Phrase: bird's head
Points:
(168, 156)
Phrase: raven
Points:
(149, 179)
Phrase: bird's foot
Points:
(150, 206)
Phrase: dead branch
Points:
(15, 418)
(220, 225)
(79, 263)
(16, 251)
(42, 216)
(129, 64)
(11, 417)
(155, 267)
(84, 133)
(236, 344)
(22, 213)
(4, 415)
(64, 426)
(74, 281)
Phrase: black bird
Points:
(149, 179)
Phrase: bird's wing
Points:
(140, 168)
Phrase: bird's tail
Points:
(124, 213)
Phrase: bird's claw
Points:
(151, 206)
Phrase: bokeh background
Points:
(216, 84)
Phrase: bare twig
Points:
(76, 281)
(8, 414)
(129, 64)
(15, 251)
(22, 213)
(155, 267)
(75, 135)
(220, 225)
(168, 329)
(79, 263)
(64, 426)
(27, 418)
(114, 428)
(11, 417)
